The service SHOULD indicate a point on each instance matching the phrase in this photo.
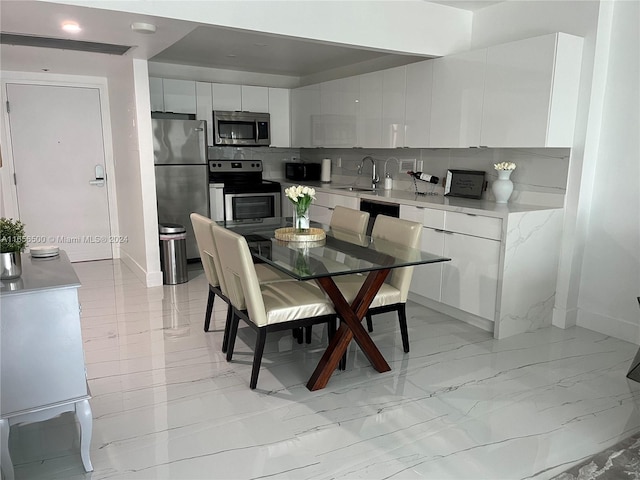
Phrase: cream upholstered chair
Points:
(393, 294)
(265, 307)
(350, 220)
(346, 220)
(209, 257)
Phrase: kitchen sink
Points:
(351, 188)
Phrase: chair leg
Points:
(233, 331)
(257, 357)
(307, 334)
(369, 322)
(207, 315)
(227, 326)
(402, 319)
(297, 334)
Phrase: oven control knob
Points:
(219, 165)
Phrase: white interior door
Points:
(58, 152)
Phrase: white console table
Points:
(42, 359)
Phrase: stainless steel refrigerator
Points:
(182, 173)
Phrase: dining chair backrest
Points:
(401, 232)
(238, 270)
(206, 246)
(349, 220)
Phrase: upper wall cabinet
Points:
(456, 108)
(204, 107)
(227, 97)
(417, 116)
(255, 99)
(531, 92)
(393, 99)
(335, 126)
(279, 109)
(369, 117)
(170, 95)
(305, 103)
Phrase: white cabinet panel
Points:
(204, 107)
(427, 279)
(524, 80)
(335, 126)
(279, 109)
(476, 225)
(305, 102)
(456, 108)
(157, 94)
(470, 279)
(369, 121)
(286, 205)
(227, 97)
(393, 99)
(255, 99)
(179, 95)
(419, 85)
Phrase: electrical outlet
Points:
(339, 162)
(407, 164)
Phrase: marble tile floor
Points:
(460, 405)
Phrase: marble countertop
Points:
(41, 274)
(439, 202)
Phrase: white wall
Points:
(588, 193)
(610, 280)
(135, 180)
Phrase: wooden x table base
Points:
(350, 328)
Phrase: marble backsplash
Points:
(539, 179)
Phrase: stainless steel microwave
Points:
(241, 128)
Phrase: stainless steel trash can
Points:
(173, 253)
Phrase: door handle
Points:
(99, 181)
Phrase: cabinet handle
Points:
(330, 208)
(472, 214)
(420, 208)
(439, 230)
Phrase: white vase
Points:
(300, 219)
(502, 187)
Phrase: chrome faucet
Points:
(374, 176)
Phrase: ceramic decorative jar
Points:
(502, 188)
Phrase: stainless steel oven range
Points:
(237, 191)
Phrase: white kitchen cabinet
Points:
(417, 118)
(469, 282)
(427, 279)
(470, 279)
(226, 97)
(369, 116)
(335, 125)
(286, 204)
(305, 103)
(531, 92)
(254, 99)
(204, 107)
(322, 207)
(179, 95)
(279, 109)
(393, 107)
(456, 107)
(156, 94)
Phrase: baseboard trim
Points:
(613, 327)
(481, 323)
(150, 279)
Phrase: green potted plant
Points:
(12, 243)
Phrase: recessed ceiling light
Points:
(142, 27)
(71, 27)
(231, 55)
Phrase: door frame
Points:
(9, 206)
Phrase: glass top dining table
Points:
(339, 253)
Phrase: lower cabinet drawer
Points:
(476, 225)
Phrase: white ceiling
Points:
(176, 41)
